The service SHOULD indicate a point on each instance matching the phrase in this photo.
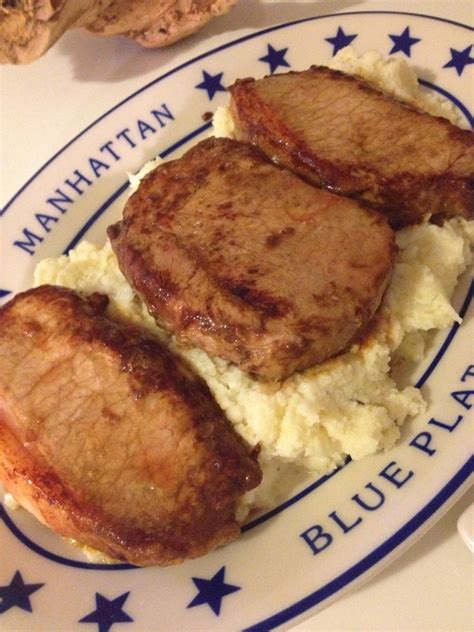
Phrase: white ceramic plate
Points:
(272, 576)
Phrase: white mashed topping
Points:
(348, 406)
(10, 502)
(135, 178)
(223, 123)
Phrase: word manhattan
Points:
(91, 169)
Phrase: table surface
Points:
(430, 587)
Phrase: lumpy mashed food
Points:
(350, 405)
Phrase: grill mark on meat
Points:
(269, 305)
(274, 239)
(341, 133)
(114, 441)
(224, 206)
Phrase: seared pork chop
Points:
(108, 438)
(343, 134)
(251, 263)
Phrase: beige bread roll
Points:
(28, 28)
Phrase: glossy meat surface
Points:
(111, 440)
(251, 263)
(343, 134)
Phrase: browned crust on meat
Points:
(441, 187)
(250, 263)
(146, 468)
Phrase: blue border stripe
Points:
(449, 338)
(291, 501)
(52, 556)
(373, 558)
(166, 152)
(207, 54)
(95, 216)
(451, 97)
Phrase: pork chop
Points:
(108, 438)
(249, 262)
(343, 134)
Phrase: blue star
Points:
(107, 612)
(211, 83)
(459, 59)
(275, 58)
(212, 591)
(17, 593)
(403, 42)
(340, 40)
(4, 293)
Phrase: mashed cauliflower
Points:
(350, 405)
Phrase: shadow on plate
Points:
(95, 58)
